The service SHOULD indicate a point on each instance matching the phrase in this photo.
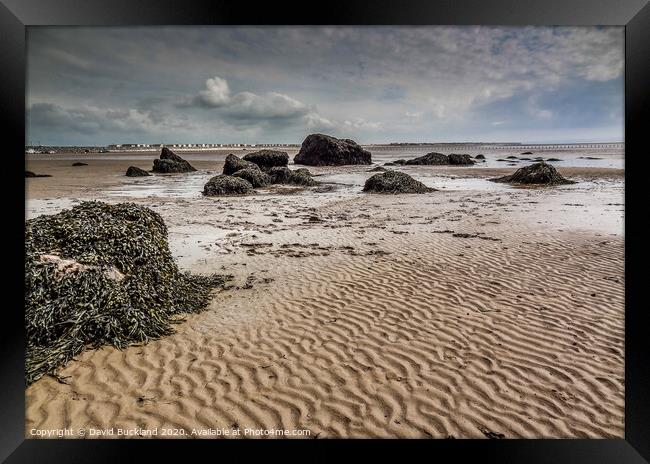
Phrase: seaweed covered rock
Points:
(134, 171)
(170, 162)
(255, 176)
(429, 159)
(394, 182)
(267, 159)
(455, 158)
(324, 150)
(32, 174)
(304, 171)
(227, 185)
(234, 163)
(284, 175)
(101, 274)
(438, 159)
(537, 173)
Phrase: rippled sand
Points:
(474, 311)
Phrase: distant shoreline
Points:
(43, 150)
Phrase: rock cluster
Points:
(241, 176)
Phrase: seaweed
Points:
(101, 274)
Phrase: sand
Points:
(475, 311)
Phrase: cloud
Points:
(360, 123)
(93, 123)
(216, 94)
(318, 123)
(245, 107)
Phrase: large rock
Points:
(537, 173)
(323, 150)
(394, 182)
(233, 164)
(267, 159)
(170, 162)
(255, 176)
(439, 159)
(284, 175)
(135, 171)
(227, 185)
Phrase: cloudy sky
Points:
(97, 86)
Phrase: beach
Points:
(480, 310)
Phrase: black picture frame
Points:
(634, 15)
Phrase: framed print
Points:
(413, 222)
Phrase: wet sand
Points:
(476, 311)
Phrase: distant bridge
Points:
(510, 147)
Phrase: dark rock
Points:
(378, 169)
(399, 162)
(134, 171)
(170, 162)
(537, 173)
(430, 159)
(553, 159)
(479, 157)
(501, 159)
(78, 163)
(255, 176)
(460, 159)
(392, 182)
(526, 152)
(234, 163)
(227, 185)
(323, 150)
(267, 159)
(304, 171)
(284, 175)
(31, 174)
(512, 157)
(436, 159)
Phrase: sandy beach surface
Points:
(480, 310)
